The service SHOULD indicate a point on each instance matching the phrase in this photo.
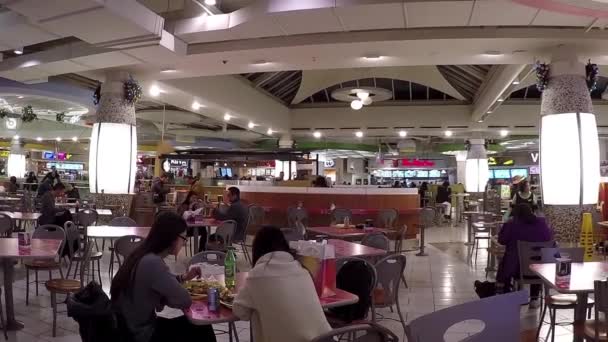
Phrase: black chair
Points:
(359, 277)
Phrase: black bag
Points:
(485, 289)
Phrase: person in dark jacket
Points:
(12, 185)
(49, 213)
(72, 193)
(443, 197)
(31, 182)
(45, 186)
(236, 211)
(524, 226)
(160, 190)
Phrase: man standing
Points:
(47, 201)
(159, 190)
(196, 186)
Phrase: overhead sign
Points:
(4, 154)
(329, 163)
(414, 163)
(66, 166)
(534, 156)
(49, 155)
(178, 163)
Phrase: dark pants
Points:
(168, 329)
(535, 291)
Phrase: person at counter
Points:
(159, 189)
(320, 182)
(237, 211)
(53, 175)
(45, 186)
(31, 182)
(50, 213)
(424, 187)
(12, 185)
(195, 186)
(443, 197)
(524, 196)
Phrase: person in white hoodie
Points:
(279, 297)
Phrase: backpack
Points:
(485, 289)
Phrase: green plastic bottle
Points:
(230, 269)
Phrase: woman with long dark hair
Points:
(279, 297)
(144, 285)
(189, 203)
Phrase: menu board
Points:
(398, 174)
(422, 174)
(409, 173)
(502, 173)
(519, 172)
(387, 173)
(535, 170)
(434, 174)
(490, 174)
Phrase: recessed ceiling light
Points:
(500, 99)
(489, 112)
(403, 134)
(245, 165)
(225, 164)
(168, 70)
(210, 2)
(155, 90)
(20, 96)
(196, 105)
(39, 139)
(480, 120)
(504, 132)
(74, 138)
(359, 134)
(260, 62)
(516, 82)
(356, 104)
(316, 134)
(251, 125)
(16, 137)
(269, 131)
(493, 53)
(362, 95)
(18, 51)
(448, 133)
(58, 138)
(227, 117)
(372, 57)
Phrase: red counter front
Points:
(363, 202)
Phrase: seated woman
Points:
(191, 203)
(279, 297)
(524, 226)
(144, 285)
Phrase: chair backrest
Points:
(6, 225)
(72, 236)
(87, 217)
(84, 265)
(210, 257)
(483, 217)
(376, 240)
(386, 218)
(357, 276)
(487, 227)
(389, 271)
(125, 245)
(339, 214)
(576, 254)
(530, 253)
(600, 289)
(123, 221)
(226, 231)
(296, 214)
(255, 218)
(50, 232)
(368, 332)
(504, 327)
(427, 216)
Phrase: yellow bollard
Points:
(586, 240)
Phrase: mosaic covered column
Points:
(569, 151)
(113, 147)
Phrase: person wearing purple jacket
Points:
(523, 226)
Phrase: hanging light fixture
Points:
(569, 142)
(113, 148)
(476, 168)
(16, 160)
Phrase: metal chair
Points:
(86, 218)
(376, 240)
(399, 237)
(386, 218)
(498, 328)
(427, 218)
(7, 225)
(350, 271)
(295, 215)
(2, 320)
(339, 214)
(255, 220)
(78, 257)
(49, 232)
(559, 301)
(123, 247)
(119, 221)
(296, 233)
(530, 253)
(365, 332)
(209, 257)
(481, 231)
(597, 329)
(67, 286)
(225, 232)
(386, 294)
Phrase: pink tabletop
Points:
(582, 277)
(345, 249)
(115, 232)
(18, 215)
(198, 314)
(347, 232)
(39, 249)
(206, 222)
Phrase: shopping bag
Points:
(320, 260)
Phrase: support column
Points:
(568, 132)
(461, 166)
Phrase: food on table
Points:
(198, 289)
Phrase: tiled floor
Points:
(439, 280)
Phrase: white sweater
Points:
(281, 301)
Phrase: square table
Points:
(198, 313)
(9, 252)
(581, 283)
(346, 249)
(206, 222)
(347, 233)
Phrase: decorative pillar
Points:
(569, 151)
(461, 166)
(16, 160)
(476, 175)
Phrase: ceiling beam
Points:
(493, 88)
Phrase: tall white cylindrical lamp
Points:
(477, 171)
(16, 164)
(113, 147)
